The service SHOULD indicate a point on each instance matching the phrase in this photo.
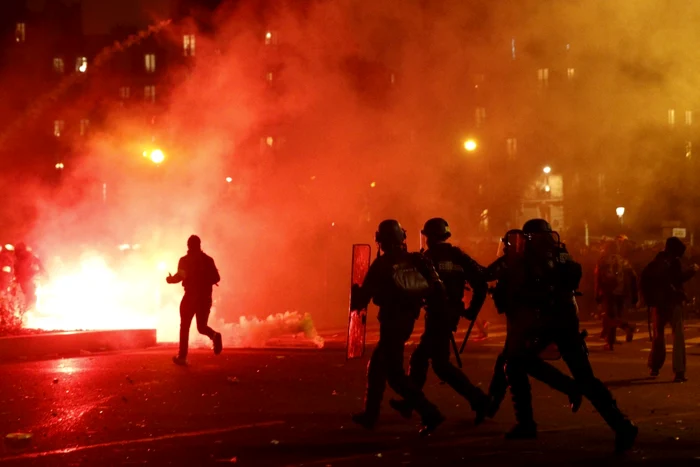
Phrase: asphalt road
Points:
(292, 407)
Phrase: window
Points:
(671, 117)
(480, 116)
(149, 93)
(20, 32)
(543, 77)
(81, 64)
(150, 62)
(58, 65)
(570, 73)
(270, 141)
(84, 124)
(511, 147)
(58, 126)
(269, 76)
(188, 45)
(392, 79)
(688, 117)
(270, 38)
(124, 92)
(688, 149)
(512, 48)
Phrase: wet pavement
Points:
(292, 407)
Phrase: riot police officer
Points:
(510, 254)
(456, 269)
(397, 282)
(544, 283)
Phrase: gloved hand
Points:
(170, 279)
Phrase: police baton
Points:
(454, 348)
(466, 338)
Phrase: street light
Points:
(157, 156)
(620, 211)
(547, 169)
(470, 145)
(229, 179)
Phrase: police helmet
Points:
(534, 226)
(436, 229)
(390, 233)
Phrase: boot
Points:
(680, 377)
(481, 409)
(365, 420)
(402, 407)
(575, 401)
(625, 437)
(630, 333)
(430, 423)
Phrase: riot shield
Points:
(357, 319)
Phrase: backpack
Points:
(408, 280)
(611, 274)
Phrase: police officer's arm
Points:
(361, 295)
(493, 270)
(474, 273)
(427, 269)
(179, 275)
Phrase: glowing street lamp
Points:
(620, 211)
(547, 169)
(157, 156)
(470, 145)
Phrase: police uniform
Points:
(398, 312)
(538, 369)
(546, 313)
(455, 268)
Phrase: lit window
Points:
(150, 62)
(543, 77)
(60, 166)
(188, 45)
(20, 32)
(124, 92)
(58, 65)
(671, 117)
(511, 147)
(269, 141)
(512, 48)
(269, 76)
(149, 93)
(688, 117)
(479, 80)
(570, 73)
(480, 116)
(270, 38)
(84, 124)
(58, 126)
(688, 149)
(392, 78)
(81, 64)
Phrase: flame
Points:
(94, 295)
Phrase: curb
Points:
(78, 342)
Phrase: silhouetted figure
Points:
(544, 285)
(615, 287)
(27, 267)
(504, 270)
(198, 275)
(397, 282)
(662, 288)
(455, 269)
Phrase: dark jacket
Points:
(669, 279)
(197, 272)
(380, 286)
(456, 269)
